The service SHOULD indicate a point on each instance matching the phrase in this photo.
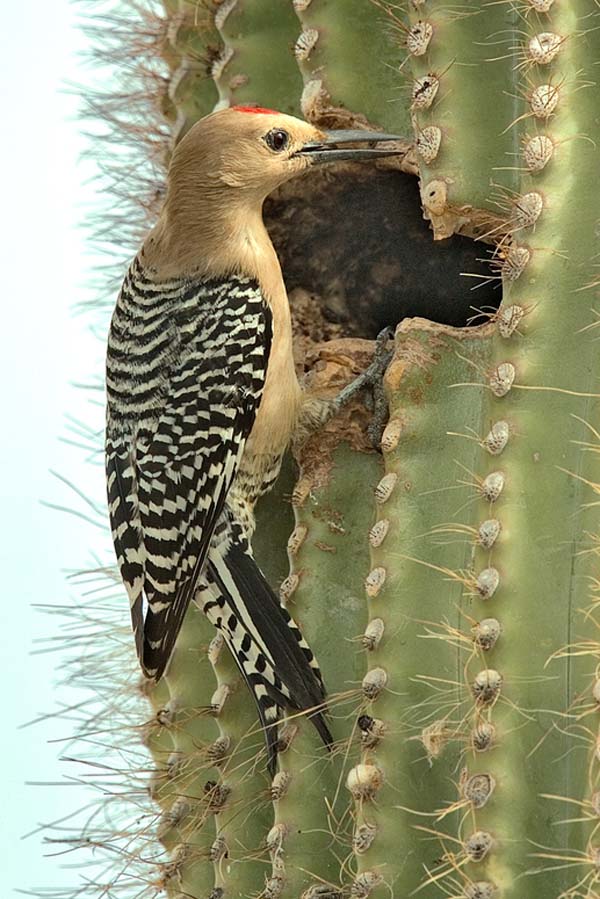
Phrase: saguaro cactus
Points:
(448, 585)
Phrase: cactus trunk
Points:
(447, 585)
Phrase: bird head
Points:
(254, 150)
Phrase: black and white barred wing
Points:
(169, 475)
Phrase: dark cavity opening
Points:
(358, 245)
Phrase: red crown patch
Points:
(259, 109)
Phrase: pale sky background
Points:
(45, 348)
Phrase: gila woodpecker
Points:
(203, 399)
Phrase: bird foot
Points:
(371, 380)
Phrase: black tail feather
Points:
(269, 714)
(255, 600)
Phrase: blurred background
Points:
(48, 349)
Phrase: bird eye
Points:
(277, 139)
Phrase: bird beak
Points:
(329, 149)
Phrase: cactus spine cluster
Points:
(448, 586)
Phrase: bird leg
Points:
(371, 380)
(317, 411)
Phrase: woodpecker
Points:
(202, 400)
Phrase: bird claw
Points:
(381, 358)
(372, 380)
(378, 400)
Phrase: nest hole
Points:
(357, 256)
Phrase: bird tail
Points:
(268, 647)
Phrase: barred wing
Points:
(171, 459)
